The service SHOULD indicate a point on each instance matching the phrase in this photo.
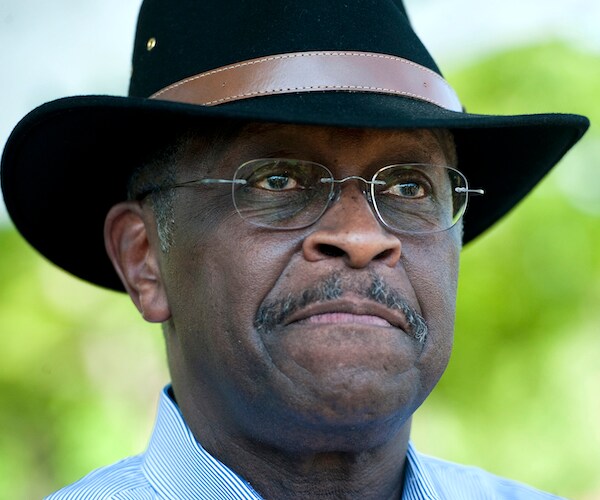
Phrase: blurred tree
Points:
(79, 377)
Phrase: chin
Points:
(353, 434)
(348, 413)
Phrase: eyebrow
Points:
(414, 154)
(424, 148)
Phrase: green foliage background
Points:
(81, 372)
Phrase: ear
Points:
(130, 239)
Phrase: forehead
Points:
(336, 147)
(323, 140)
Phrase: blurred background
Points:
(80, 372)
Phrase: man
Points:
(284, 191)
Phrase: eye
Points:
(277, 182)
(412, 189)
(278, 175)
(406, 182)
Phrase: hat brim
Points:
(68, 161)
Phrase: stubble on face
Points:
(274, 313)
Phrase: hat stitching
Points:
(302, 54)
(322, 87)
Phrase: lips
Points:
(349, 312)
(344, 318)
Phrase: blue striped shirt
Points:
(176, 467)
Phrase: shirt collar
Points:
(177, 466)
(418, 484)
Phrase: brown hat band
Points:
(313, 72)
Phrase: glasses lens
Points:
(419, 198)
(282, 193)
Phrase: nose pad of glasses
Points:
(336, 192)
(334, 196)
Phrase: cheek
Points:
(223, 358)
(433, 270)
(220, 275)
(246, 265)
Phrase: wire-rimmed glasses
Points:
(283, 193)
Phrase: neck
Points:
(376, 473)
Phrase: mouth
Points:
(335, 301)
(340, 312)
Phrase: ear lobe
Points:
(127, 235)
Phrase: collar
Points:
(177, 466)
(418, 484)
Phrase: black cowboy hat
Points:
(356, 63)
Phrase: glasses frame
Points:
(334, 192)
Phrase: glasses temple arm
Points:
(470, 191)
(194, 182)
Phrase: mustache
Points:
(274, 313)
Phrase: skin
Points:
(314, 408)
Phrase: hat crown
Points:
(176, 40)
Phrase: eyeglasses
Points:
(281, 193)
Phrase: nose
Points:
(350, 230)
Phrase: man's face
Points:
(305, 337)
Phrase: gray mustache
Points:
(274, 313)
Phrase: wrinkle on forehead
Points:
(423, 141)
